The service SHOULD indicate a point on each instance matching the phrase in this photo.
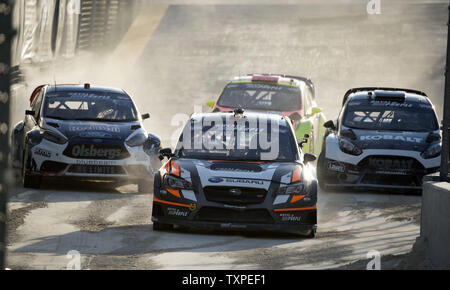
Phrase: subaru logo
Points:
(215, 179)
(235, 191)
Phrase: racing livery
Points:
(383, 138)
(235, 187)
(284, 95)
(84, 132)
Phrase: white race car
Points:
(383, 138)
(84, 132)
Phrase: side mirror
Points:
(330, 125)
(30, 113)
(145, 116)
(211, 104)
(315, 110)
(307, 158)
(165, 152)
(305, 140)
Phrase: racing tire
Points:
(32, 181)
(157, 226)
(321, 171)
(29, 181)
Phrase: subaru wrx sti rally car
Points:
(237, 171)
(278, 94)
(84, 132)
(383, 138)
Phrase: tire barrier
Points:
(52, 29)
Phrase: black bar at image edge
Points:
(5, 61)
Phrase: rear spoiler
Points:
(368, 89)
(302, 79)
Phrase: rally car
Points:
(284, 95)
(384, 138)
(225, 174)
(84, 132)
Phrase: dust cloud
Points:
(196, 49)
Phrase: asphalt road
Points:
(181, 56)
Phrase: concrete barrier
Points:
(435, 222)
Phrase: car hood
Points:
(236, 173)
(88, 129)
(395, 140)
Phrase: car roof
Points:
(391, 94)
(81, 88)
(282, 79)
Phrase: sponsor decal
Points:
(288, 217)
(244, 181)
(95, 134)
(192, 206)
(91, 151)
(336, 167)
(391, 138)
(390, 163)
(95, 162)
(391, 104)
(43, 152)
(81, 128)
(215, 179)
(176, 212)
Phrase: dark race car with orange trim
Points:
(237, 170)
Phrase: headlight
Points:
(348, 147)
(176, 183)
(292, 189)
(136, 140)
(53, 137)
(432, 151)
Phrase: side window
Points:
(36, 105)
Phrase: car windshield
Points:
(89, 106)
(260, 96)
(390, 116)
(237, 141)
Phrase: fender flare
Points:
(17, 138)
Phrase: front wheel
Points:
(321, 170)
(28, 180)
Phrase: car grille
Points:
(96, 169)
(214, 214)
(96, 151)
(234, 195)
(392, 164)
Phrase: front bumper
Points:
(344, 175)
(48, 159)
(300, 216)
